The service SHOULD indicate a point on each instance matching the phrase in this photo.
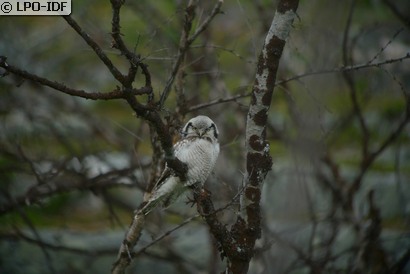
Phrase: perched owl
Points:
(198, 149)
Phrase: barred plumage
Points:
(198, 149)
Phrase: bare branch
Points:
(97, 49)
(169, 232)
(403, 17)
(352, 87)
(219, 231)
(125, 252)
(57, 247)
(38, 192)
(115, 94)
(134, 60)
(218, 101)
(386, 45)
(118, 43)
(215, 11)
(384, 145)
(304, 75)
(48, 260)
(186, 41)
(345, 69)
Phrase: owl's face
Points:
(202, 127)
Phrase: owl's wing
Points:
(164, 176)
(168, 171)
(164, 195)
(154, 197)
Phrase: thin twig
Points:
(345, 69)
(386, 45)
(48, 259)
(399, 13)
(97, 49)
(183, 47)
(134, 59)
(185, 43)
(115, 94)
(159, 238)
(41, 191)
(215, 11)
(218, 101)
(385, 144)
(58, 247)
(349, 78)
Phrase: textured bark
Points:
(258, 159)
(125, 253)
(237, 244)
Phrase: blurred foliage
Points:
(52, 141)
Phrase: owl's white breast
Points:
(200, 155)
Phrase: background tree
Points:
(336, 200)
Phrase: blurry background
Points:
(337, 200)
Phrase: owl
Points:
(199, 150)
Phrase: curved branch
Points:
(186, 41)
(396, 11)
(134, 59)
(103, 57)
(352, 87)
(372, 156)
(41, 191)
(115, 94)
(218, 101)
(344, 69)
(19, 235)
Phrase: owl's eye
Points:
(189, 128)
(184, 131)
(189, 125)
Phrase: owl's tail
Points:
(163, 196)
(147, 206)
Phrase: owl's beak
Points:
(200, 133)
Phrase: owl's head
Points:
(200, 126)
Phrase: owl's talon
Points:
(190, 201)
